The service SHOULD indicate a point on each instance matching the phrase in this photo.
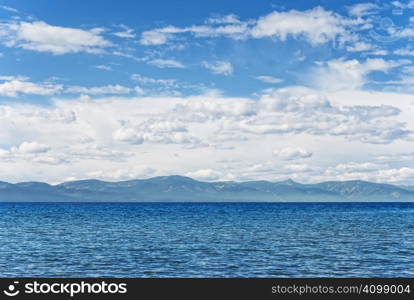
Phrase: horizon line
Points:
(205, 181)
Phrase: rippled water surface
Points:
(207, 240)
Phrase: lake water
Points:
(207, 240)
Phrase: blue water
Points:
(207, 240)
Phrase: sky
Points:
(215, 90)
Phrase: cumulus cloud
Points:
(128, 135)
(300, 110)
(220, 67)
(139, 90)
(404, 52)
(205, 174)
(159, 36)
(363, 9)
(340, 74)
(42, 37)
(369, 172)
(403, 174)
(291, 153)
(200, 109)
(31, 147)
(316, 25)
(358, 167)
(14, 86)
(298, 168)
(82, 136)
(359, 47)
(404, 82)
(407, 32)
(155, 131)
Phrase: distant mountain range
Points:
(185, 189)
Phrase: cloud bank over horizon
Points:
(309, 93)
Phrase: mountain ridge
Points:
(176, 188)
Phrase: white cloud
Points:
(86, 137)
(4, 153)
(9, 9)
(204, 107)
(96, 90)
(379, 52)
(205, 174)
(139, 90)
(269, 79)
(127, 33)
(166, 63)
(220, 67)
(128, 135)
(400, 157)
(403, 174)
(298, 167)
(298, 110)
(155, 131)
(316, 25)
(149, 80)
(130, 56)
(406, 32)
(104, 67)
(32, 147)
(359, 47)
(348, 74)
(159, 36)
(291, 153)
(49, 160)
(404, 52)
(227, 19)
(42, 37)
(358, 167)
(382, 174)
(14, 77)
(403, 5)
(151, 86)
(404, 82)
(363, 9)
(196, 135)
(14, 86)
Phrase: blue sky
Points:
(309, 90)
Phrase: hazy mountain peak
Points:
(185, 189)
(289, 182)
